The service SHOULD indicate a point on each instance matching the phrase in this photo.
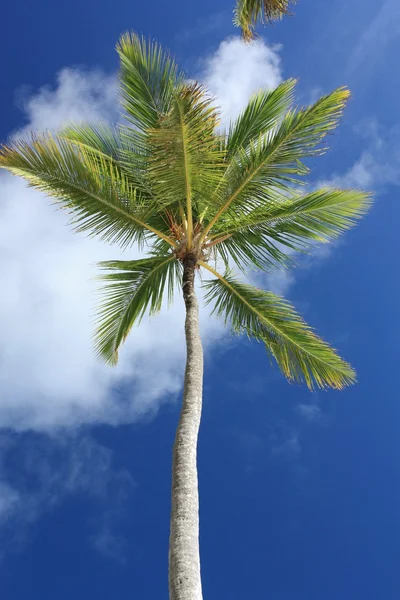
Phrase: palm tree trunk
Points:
(184, 556)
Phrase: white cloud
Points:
(237, 70)
(78, 96)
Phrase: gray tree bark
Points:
(184, 555)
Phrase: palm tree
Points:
(197, 200)
(249, 12)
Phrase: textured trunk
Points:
(184, 556)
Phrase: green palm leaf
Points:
(101, 139)
(294, 222)
(185, 158)
(263, 112)
(300, 354)
(96, 192)
(132, 288)
(127, 149)
(274, 160)
(248, 12)
(251, 249)
(148, 80)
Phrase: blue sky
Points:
(300, 492)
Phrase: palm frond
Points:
(99, 139)
(251, 249)
(296, 222)
(131, 288)
(264, 111)
(100, 198)
(185, 159)
(249, 12)
(300, 354)
(148, 78)
(274, 160)
(125, 147)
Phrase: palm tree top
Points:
(173, 183)
(249, 12)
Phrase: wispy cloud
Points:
(38, 472)
(378, 165)
(289, 448)
(109, 543)
(382, 29)
(310, 412)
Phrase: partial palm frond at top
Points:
(249, 12)
(168, 180)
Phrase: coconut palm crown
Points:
(249, 12)
(173, 183)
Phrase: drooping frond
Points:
(148, 79)
(131, 288)
(300, 354)
(249, 12)
(295, 222)
(274, 160)
(100, 198)
(263, 112)
(185, 159)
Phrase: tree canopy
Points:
(171, 180)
